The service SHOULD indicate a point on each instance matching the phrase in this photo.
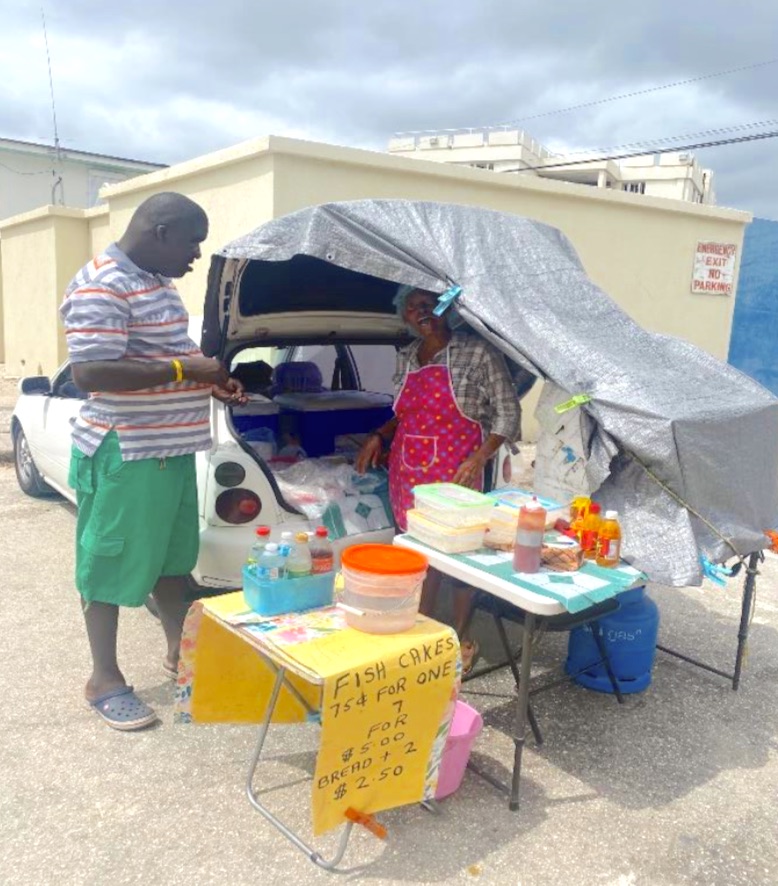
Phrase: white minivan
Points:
(315, 344)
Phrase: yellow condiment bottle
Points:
(609, 541)
(579, 508)
(590, 530)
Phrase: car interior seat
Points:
(298, 378)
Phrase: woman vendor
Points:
(455, 404)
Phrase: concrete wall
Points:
(639, 249)
(99, 225)
(41, 251)
(235, 188)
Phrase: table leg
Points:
(290, 835)
(749, 587)
(521, 707)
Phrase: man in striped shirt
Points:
(132, 463)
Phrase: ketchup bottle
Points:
(529, 537)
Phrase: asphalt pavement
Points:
(677, 786)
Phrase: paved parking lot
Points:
(678, 786)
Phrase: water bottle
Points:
(322, 559)
(298, 563)
(285, 544)
(262, 537)
(270, 564)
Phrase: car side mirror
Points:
(35, 384)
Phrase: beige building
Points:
(675, 174)
(639, 249)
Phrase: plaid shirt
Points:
(482, 384)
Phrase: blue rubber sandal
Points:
(122, 709)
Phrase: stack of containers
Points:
(504, 517)
(449, 518)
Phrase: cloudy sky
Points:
(169, 80)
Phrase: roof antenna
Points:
(57, 187)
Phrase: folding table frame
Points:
(746, 609)
(316, 857)
(537, 611)
(313, 714)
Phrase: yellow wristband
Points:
(179, 369)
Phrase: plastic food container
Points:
(453, 505)
(445, 538)
(465, 728)
(515, 498)
(501, 531)
(287, 594)
(381, 587)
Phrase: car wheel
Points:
(27, 475)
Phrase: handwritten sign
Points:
(714, 268)
(380, 724)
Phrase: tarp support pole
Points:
(749, 589)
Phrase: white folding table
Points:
(536, 608)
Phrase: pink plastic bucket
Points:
(465, 728)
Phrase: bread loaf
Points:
(562, 557)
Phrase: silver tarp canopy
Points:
(659, 405)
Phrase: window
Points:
(373, 364)
(635, 187)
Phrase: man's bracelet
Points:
(178, 368)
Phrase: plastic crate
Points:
(287, 594)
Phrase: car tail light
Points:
(229, 473)
(507, 469)
(238, 506)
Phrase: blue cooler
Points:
(256, 415)
(630, 638)
(318, 418)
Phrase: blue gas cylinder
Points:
(630, 638)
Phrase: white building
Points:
(675, 175)
(33, 175)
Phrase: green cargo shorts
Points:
(137, 522)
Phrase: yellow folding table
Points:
(384, 702)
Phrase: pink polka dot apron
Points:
(432, 439)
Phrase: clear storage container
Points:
(382, 587)
(453, 505)
(501, 531)
(445, 538)
(515, 498)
